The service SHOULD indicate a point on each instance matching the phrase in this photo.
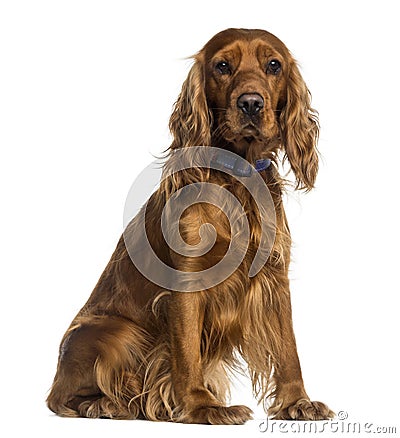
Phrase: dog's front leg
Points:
(291, 400)
(197, 404)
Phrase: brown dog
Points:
(136, 350)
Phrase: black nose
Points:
(250, 104)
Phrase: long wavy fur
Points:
(300, 130)
(130, 352)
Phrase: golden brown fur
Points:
(138, 351)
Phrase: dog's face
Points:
(245, 93)
(246, 82)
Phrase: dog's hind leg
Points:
(100, 369)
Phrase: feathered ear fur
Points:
(190, 122)
(299, 130)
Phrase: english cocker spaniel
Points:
(140, 349)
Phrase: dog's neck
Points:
(226, 160)
(252, 151)
(266, 150)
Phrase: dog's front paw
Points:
(305, 410)
(219, 415)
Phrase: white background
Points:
(86, 91)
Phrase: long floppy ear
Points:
(190, 122)
(300, 130)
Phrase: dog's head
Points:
(243, 92)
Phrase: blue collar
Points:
(239, 167)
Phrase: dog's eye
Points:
(223, 68)
(274, 67)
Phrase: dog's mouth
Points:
(244, 132)
(245, 137)
(250, 133)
